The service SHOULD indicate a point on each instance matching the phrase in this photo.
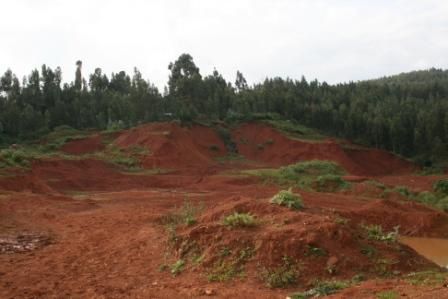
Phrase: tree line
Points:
(406, 114)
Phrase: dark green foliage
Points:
(330, 183)
(406, 114)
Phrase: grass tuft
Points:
(288, 199)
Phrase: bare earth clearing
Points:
(85, 228)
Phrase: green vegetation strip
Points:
(318, 175)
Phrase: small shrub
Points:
(186, 214)
(240, 220)
(368, 251)
(442, 204)
(282, 276)
(375, 232)
(330, 183)
(387, 295)
(177, 267)
(315, 251)
(288, 199)
(313, 167)
(441, 187)
(321, 289)
(403, 191)
(214, 148)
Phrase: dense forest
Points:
(406, 114)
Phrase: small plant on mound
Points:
(288, 199)
(282, 276)
(186, 214)
(177, 267)
(214, 148)
(240, 220)
(230, 264)
(376, 233)
(322, 289)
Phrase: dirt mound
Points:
(82, 146)
(172, 146)
(411, 217)
(261, 142)
(25, 183)
(85, 175)
(313, 246)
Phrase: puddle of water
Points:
(433, 249)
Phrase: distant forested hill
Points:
(406, 113)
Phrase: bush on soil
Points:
(441, 187)
(288, 199)
(282, 276)
(376, 233)
(322, 288)
(228, 266)
(240, 220)
(330, 183)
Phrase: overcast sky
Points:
(333, 40)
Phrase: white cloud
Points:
(329, 40)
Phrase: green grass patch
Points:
(429, 277)
(22, 157)
(119, 157)
(177, 267)
(239, 220)
(387, 295)
(288, 199)
(294, 130)
(60, 136)
(318, 175)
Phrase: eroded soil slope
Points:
(86, 228)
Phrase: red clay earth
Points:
(263, 143)
(105, 238)
(82, 146)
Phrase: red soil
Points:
(264, 143)
(172, 146)
(107, 240)
(87, 145)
